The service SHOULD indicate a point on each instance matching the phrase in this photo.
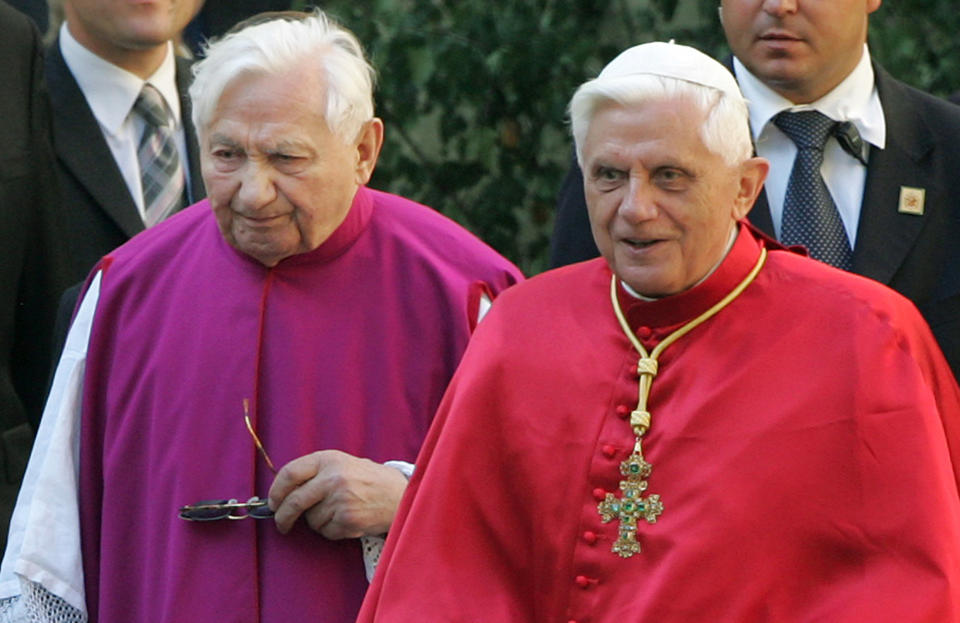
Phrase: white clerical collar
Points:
(855, 100)
(110, 90)
(637, 295)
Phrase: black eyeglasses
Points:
(214, 510)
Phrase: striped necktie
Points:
(810, 216)
(161, 173)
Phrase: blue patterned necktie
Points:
(810, 216)
(161, 173)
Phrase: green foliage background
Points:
(473, 92)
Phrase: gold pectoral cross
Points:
(631, 506)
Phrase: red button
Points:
(644, 333)
(609, 451)
(589, 537)
(599, 494)
(582, 581)
(623, 411)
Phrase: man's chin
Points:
(782, 72)
(650, 283)
(266, 252)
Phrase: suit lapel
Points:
(184, 76)
(81, 148)
(884, 235)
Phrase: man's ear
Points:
(369, 142)
(753, 172)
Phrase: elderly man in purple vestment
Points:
(294, 319)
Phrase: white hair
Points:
(280, 45)
(725, 132)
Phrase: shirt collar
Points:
(110, 90)
(855, 100)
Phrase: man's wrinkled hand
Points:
(339, 495)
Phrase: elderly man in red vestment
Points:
(296, 320)
(701, 425)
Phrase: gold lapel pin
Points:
(911, 200)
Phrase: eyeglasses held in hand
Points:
(214, 510)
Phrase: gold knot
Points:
(647, 366)
(640, 419)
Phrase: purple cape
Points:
(357, 341)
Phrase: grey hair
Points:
(725, 132)
(279, 45)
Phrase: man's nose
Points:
(639, 204)
(779, 8)
(257, 187)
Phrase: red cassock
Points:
(804, 445)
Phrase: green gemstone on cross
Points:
(635, 465)
(628, 512)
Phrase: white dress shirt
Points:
(854, 100)
(111, 92)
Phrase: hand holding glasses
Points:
(214, 510)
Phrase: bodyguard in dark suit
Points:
(103, 211)
(902, 205)
(33, 269)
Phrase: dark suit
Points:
(919, 256)
(36, 10)
(101, 213)
(34, 268)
